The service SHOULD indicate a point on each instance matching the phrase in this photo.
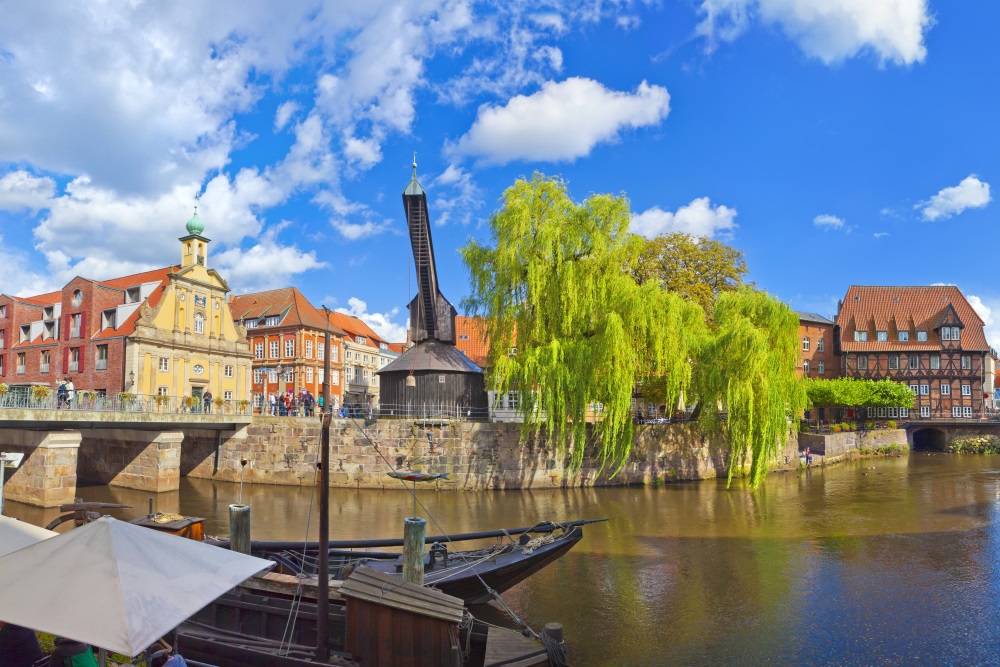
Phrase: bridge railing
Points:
(84, 401)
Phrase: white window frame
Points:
(199, 323)
(861, 336)
(309, 349)
(915, 389)
(967, 411)
(893, 413)
(258, 350)
(309, 375)
(893, 362)
(882, 336)
(909, 362)
(925, 390)
(805, 343)
(880, 412)
(903, 336)
(956, 411)
(921, 336)
(944, 388)
(805, 367)
(819, 345)
(904, 413)
(227, 370)
(289, 348)
(935, 362)
(925, 411)
(966, 390)
(956, 333)
(966, 362)
(945, 333)
(258, 374)
(164, 364)
(858, 365)
(335, 377)
(274, 347)
(820, 367)
(227, 395)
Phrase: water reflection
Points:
(889, 562)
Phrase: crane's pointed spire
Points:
(413, 188)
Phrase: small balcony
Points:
(20, 370)
(74, 332)
(44, 368)
(74, 366)
(101, 364)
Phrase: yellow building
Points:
(187, 343)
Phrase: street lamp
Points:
(281, 386)
(131, 379)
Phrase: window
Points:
(45, 357)
(365, 374)
(893, 413)
(257, 375)
(272, 376)
(132, 295)
(955, 331)
(921, 336)
(946, 389)
(274, 349)
(25, 333)
(77, 297)
(914, 361)
(289, 347)
(914, 388)
(861, 336)
(50, 331)
(320, 376)
(966, 362)
(881, 413)
(75, 322)
(904, 336)
(513, 398)
(441, 379)
(805, 343)
(335, 353)
(862, 362)
(366, 358)
(320, 350)
(966, 390)
(925, 411)
(199, 323)
(805, 367)
(258, 350)
(956, 411)
(893, 362)
(820, 367)
(945, 333)
(102, 358)
(227, 395)
(227, 371)
(290, 375)
(361, 340)
(967, 411)
(272, 321)
(309, 375)
(882, 336)
(108, 319)
(347, 356)
(164, 364)
(163, 391)
(21, 361)
(819, 344)
(904, 413)
(335, 377)
(935, 362)
(3, 339)
(3, 311)
(309, 349)
(48, 312)
(925, 389)
(250, 324)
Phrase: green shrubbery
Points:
(974, 444)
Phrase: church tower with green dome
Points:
(194, 245)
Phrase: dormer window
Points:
(921, 336)
(250, 324)
(882, 336)
(361, 340)
(50, 330)
(272, 321)
(108, 319)
(955, 331)
(904, 336)
(47, 313)
(132, 295)
(861, 336)
(25, 333)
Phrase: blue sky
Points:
(833, 141)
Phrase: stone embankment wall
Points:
(283, 450)
(835, 445)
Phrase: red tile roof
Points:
(42, 299)
(912, 309)
(476, 346)
(354, 327)
(128, 326)
(288, 302)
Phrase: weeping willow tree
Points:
(569, 328)
(747, 367)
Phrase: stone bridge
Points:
(133, 449)
(937, 433)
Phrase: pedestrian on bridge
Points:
(207, 397)
(70, 392)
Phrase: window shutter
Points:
(80, 357)
(83, 326)
(65, 366)
(66, 320)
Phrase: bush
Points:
(836, 428)
(870, 426)
(974, 444)
(803, 427)
(890, 424)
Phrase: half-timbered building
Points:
(928, 338)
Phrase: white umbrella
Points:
(116, 585)
(16, 535)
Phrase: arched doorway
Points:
(929, 439)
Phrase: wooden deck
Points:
(509, 648)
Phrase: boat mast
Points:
(323, 603)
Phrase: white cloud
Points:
(284, 113)
(266, 265)
(20, 190)
(880, 235)
(381, 323)
(17, 279)
(562, 121)
(830, 30)
(970, 193)
(828, 221)
(985, 311)
(699, 218)
(458, 196)
(352, 231)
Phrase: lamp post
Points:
(281, 386)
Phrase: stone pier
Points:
(134, 459)
(47, 475)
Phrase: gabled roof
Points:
(128, 326)
(136, 279)
(874, 308)
(41, 300)
(398, 348)
(812, 317)
(354, 327)
(288, 302)
(476, 346)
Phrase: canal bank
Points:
(475, 455)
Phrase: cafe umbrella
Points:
(15, 535)
(116, 585)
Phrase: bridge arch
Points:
(929, 439)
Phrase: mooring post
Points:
(414, 534)
(239, 528)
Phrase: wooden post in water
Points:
(239, 528)
(414, 532)
(323, 567)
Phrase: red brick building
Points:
(928, 338)
(817, 358)
(80, 331)
(286, 331)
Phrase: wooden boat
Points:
(474, 575)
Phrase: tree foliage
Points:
(747, 367)
(857, 392)
(696, 268)
(585, 331)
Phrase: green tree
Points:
(697, 268)
(747, 368)
(858, 392)
(552, 286)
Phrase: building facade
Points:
(166, 332)
(362, 359)
(928, 338)
(287, 337)
(817, 356)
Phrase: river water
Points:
(878, 562)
